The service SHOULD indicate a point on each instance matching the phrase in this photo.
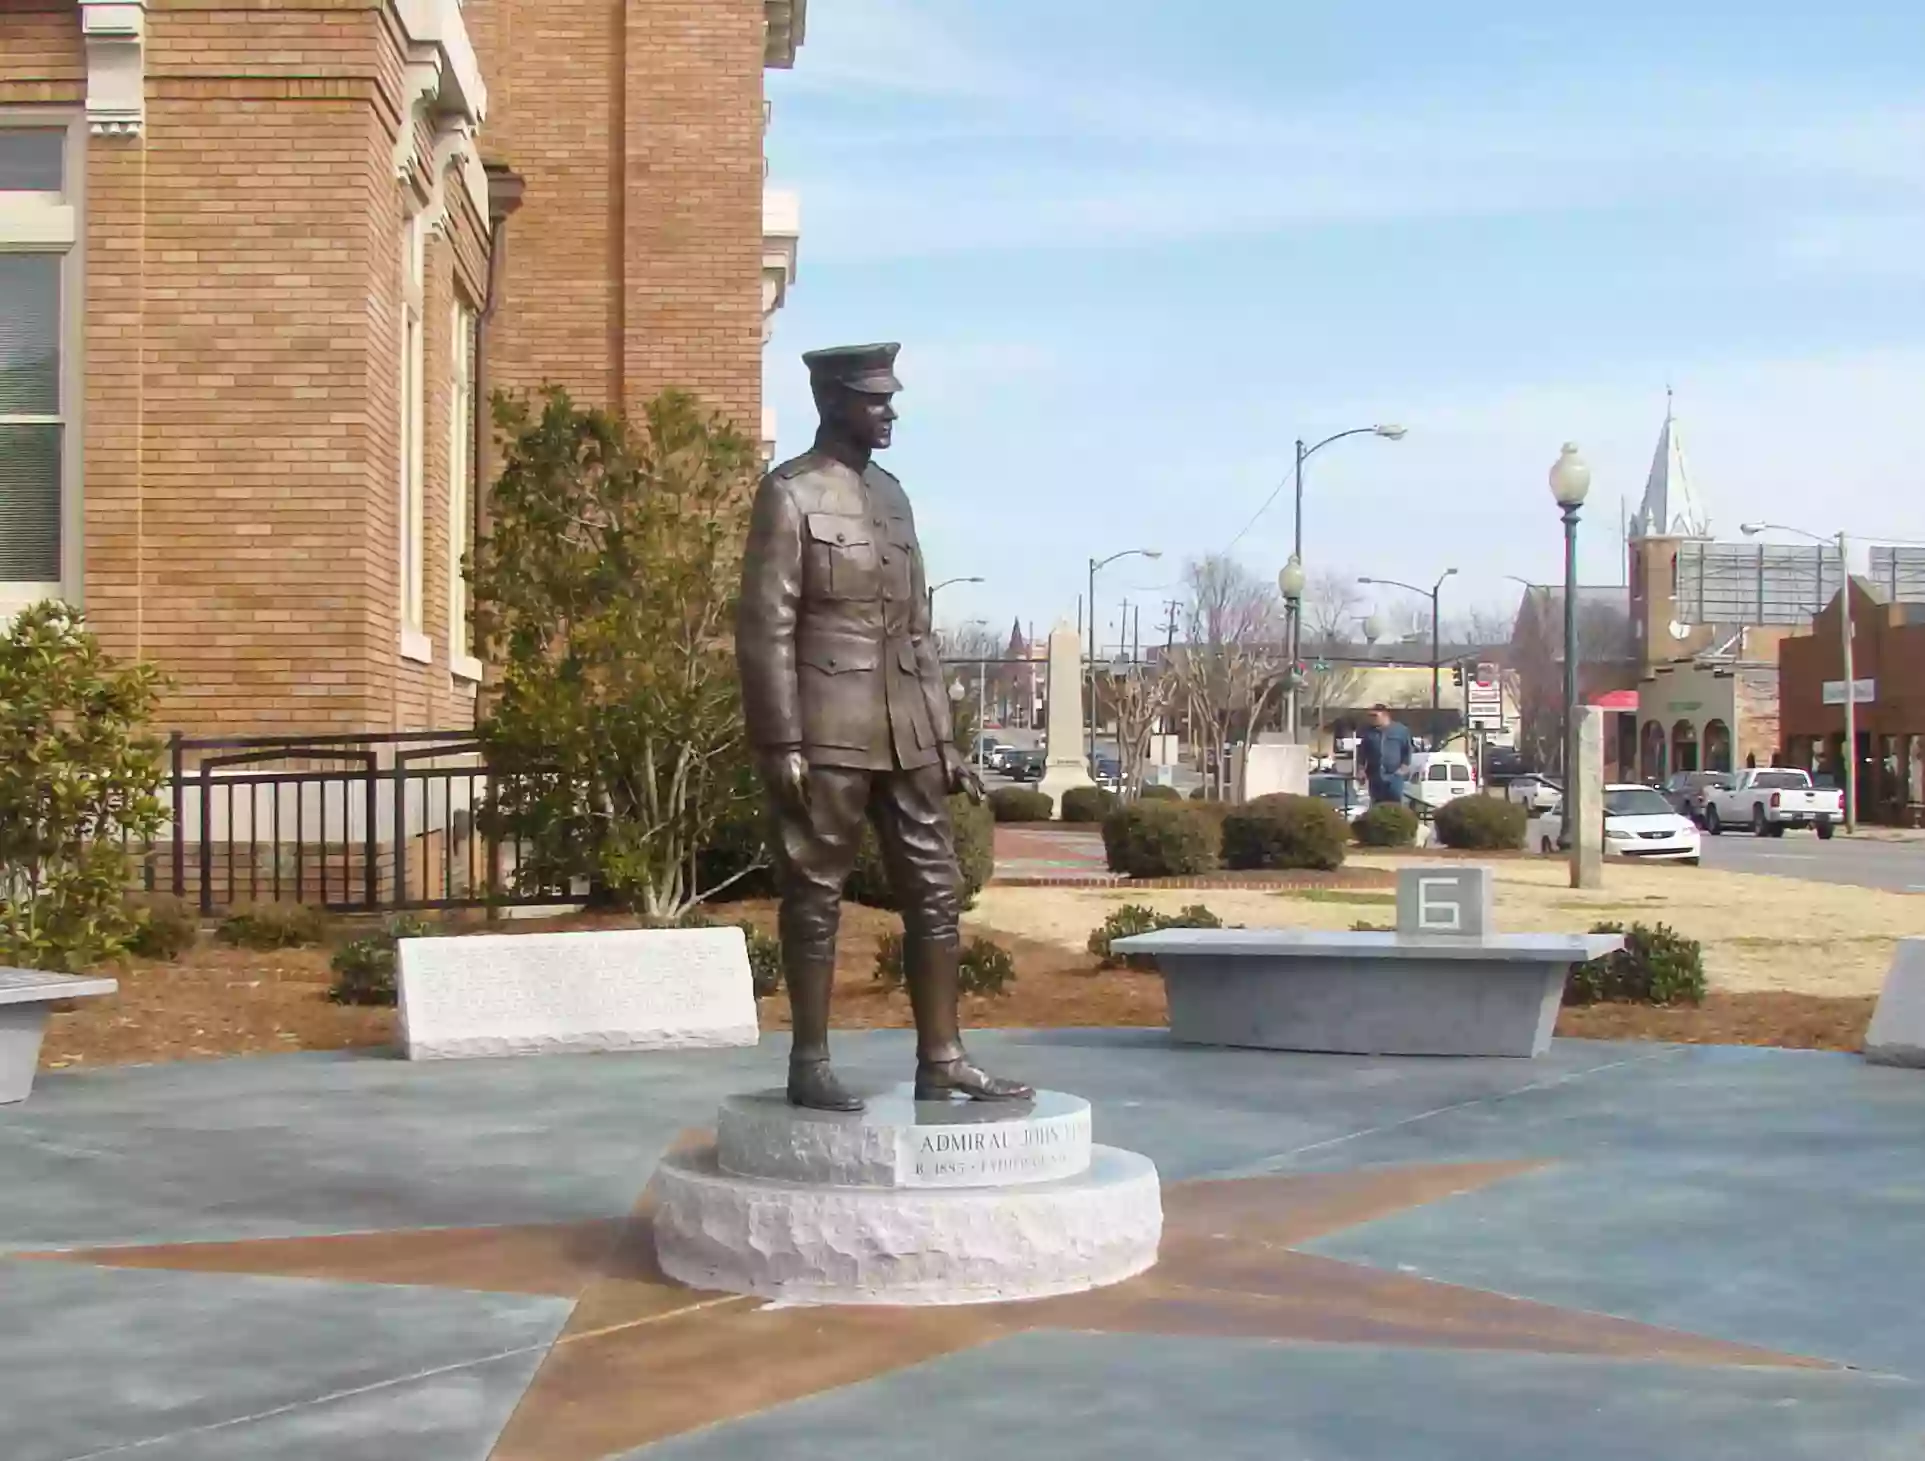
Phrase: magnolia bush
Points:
(79, 788)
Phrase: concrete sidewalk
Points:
(1612, 1252)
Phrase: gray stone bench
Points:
(26, 996)
(1443, 984)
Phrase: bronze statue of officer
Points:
(849, 720)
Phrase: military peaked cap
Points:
(870, 369)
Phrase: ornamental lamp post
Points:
(1290, 582)
(1570, 482)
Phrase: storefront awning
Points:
(1616, 700)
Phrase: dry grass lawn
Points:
(1759, 933)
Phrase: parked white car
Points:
(1536, 793)
(1769, 799)
(1638, 823)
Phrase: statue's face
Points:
(865, 418)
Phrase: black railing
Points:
(350, 823)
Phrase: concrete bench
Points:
(1443, 984)
(26, 996)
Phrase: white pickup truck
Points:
(1769, 799)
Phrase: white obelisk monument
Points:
(1066, 766)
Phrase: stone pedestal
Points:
(1275, 766)
(1897, 1033)
(1066, 765)
(906, 1202)
(1587, 832)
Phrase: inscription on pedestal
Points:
(983, 1156)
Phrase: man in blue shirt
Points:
(1383, 756)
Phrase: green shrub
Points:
(1134, 918)
(1158, 840)
(765, 961)
(364, 969)
(734, 862)
(1386, 824)
(1158, 793)
(983, 966)
(273, 926)
(166, 928)
(1283, 831)
(1020, 804)
(1087, 804)
(79, 778)
(974, 828)
(1655, 966)
(1482, 824)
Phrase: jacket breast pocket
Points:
(841, 557)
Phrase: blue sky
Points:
(1132, 256)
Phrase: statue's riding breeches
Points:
(816, 849)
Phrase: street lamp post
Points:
(1433, 593)
(1094, 564)
(944, 584)
(1848, 664)
(1290, 583)
(1570, 481)
(1293, 607)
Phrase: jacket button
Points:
(832, 661)
(842, 537)
(885, 560)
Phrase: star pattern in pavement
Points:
(643, 1358)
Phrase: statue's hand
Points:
(961, 776)
(787, 772)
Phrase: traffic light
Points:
(1457, 674)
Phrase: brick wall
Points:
(242, 337)
(243, 264)
(635, 261)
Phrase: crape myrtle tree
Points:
(604, 598)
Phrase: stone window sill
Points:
(417, 646)
(465, 667)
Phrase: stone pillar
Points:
(1587, 827)
(1065, 767)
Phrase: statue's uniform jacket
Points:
(837, 662)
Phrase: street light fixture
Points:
(1094, 564)
(944, 584)
(1436, 622)
(1850, 748)
(1294, 605)
(1570, 483)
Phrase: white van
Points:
(1437, 777)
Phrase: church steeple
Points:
(1670, 508)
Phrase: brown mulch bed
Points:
(219, 1001)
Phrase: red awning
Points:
(1616, 700)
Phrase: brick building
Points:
(261, 262)
(1888, 668)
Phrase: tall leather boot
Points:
(812, 1082)
(943, 1068)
